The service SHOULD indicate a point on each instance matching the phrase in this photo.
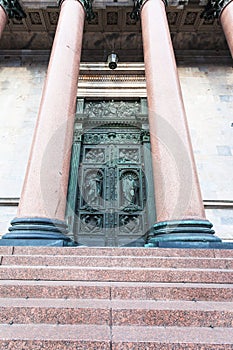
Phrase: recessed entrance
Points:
(111, 204)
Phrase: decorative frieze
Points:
(121, 19)
(112, 18)
(116, 109)
(214, 8)
(35, 18)
(13, 9)
(188, 32)
(110, 78)
(190, 18)
(112, 138)
(53, 17)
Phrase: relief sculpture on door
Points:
(112, 186)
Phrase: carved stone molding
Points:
(117, 109)
(114, 85)
(214, 8)
(87, 4)
(13, 9)
(112, 138)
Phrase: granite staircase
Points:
(115, 298)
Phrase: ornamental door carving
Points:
(112, 188)
(110, 199)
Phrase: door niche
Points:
(111, 176)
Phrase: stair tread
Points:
(117, 274)
(115, 298)
(116, 268)
(204, 335)
(120, 251)
(114, 284)
(112, 257)
(78, 251)
(54, 332)
(117, 304)
(123, 262)
(132, 334)
(55, 303)
(117, 290)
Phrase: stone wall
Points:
(20, 95)
(208, 97)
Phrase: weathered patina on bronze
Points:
(109, 162)
(13, 9)
(214, 8)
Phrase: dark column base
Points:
(180, 233)
(37, 231)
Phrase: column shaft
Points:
(177, 192)
(175, 178)
(226, 19)
(42, 204)
(45, 187)
(3, 20)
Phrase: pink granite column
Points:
(3, 20)
(179, 206)
(42, 205)
(226, 19)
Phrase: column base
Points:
(184, 233)
(37, 231)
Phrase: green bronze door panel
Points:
(110, 207)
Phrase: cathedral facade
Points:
(116, 123)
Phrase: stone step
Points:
(54, 337)
(112, 261)
(172, 313)
(117, 290)
(171, 338)
(54, 289)
(116, 312)
(115, 298)
(143, 252)
(172, 291)
(83, 337)
(116, 274)
(55, 311)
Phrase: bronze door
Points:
(110, 205)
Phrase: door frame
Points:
(81, 126)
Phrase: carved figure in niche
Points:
(130, 223)
(130, 189)
(93, 188)
(91, 223)
(95, 156)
